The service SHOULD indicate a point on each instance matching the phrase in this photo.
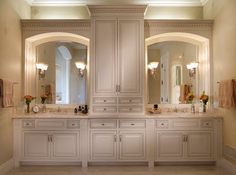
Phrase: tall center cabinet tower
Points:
(117, 59)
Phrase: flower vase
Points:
(27, 107)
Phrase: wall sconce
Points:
(42, 68)
(192, 68)
(153, 67)
(81, 66)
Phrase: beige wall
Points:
(154, 12)
(77, 12)
(224, 55)
(10, 65)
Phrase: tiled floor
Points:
(117, 170)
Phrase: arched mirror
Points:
(57, 66)
(171, 82)
(62, 82)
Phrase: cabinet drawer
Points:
(186, 124)
(130, 100)
(73, 124)
(130, 109)
(28, 124)
(50, 124)
(105, 109)
(132, 123)
(162, 124)
(104, 100)
(103, 123)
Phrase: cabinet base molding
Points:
(133, 163)
(7, 166)
(227, 166)
(50, 163)
(186, 163)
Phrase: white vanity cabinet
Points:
(46, 140)
(117, 59)
(185, 139)
(117, 140)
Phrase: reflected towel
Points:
(227, 94)
(184, 91)
(7, 93)
(1, 93)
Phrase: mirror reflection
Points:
(172, 72)
(61, 70)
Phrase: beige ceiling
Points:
(112, 2)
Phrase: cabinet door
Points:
(103, 145)
(132, 145)
(169, 145)
(105, 57)
(36, 145)
(199, 145)
(129, 57)
(65, 145)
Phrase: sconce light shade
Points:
(42, 67)
(153, 66)
(192, 68)
(81, 66)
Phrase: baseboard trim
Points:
(7, 166)
(227, 166)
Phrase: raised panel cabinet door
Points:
(105, 57)
(132, 145)
(129, 57)
(103, 145)
(36, 145)
(169, 145)
(65, 145)
(199, 145)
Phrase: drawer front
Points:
(103, 123)
(73, 124)
(104, 100)
(105, 109)
(186, 124)
(50, 124)
(162, 124)
(28, 124)
(130, 109)
(207, 123)
(132, 123)
(130, 100)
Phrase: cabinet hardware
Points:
(183, 138)
(130, 101)
(102, 124)
(104, 109)
(132, 124)
(104, 101)
(118, 88)
(120, 138)
(48, 138)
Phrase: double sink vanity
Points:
(89, 139)
(115, 48)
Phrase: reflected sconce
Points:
(192, 68)
(42, 67)
(153, 67)
(81, 66)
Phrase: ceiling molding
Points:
(170, 3)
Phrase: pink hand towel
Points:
(227, 94)
(7, 93)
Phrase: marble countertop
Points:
(61, 115)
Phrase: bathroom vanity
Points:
(86, 139)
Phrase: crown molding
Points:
(178, 23)
(117, 9)
(170, 3)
